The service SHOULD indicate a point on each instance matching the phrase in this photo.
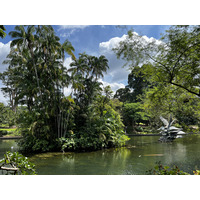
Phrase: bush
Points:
(196, 172)
(100, 132)
(16, 163)
(159, 169)
(30, 144)
(3, 132)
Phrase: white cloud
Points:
(114, 86)
(4, 51)
(67, 62)
(2, 98)
(67, 91)
(73, 26)
(112, 43)
(71, 29)
(67, 34)
(116, 73)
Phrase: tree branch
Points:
(190, 91)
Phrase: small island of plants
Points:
(36, 79)
(92, 117)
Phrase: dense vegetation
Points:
(160, 169)
(16, 164)
(2, 31)
(36, 79)
(164, 76)
(163, 80)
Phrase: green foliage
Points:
(133, 113)
(32, 144)
(7, 115)
(103, 129)
(123, 94)
(17, 161)
(36, 78)
(175, 59)
(196, 172)
(163, 100)
(2, 31)
(159, 169)
(97, 125)
(173, 72)
(137, 81)
(3, 132)
(116, 105)
(137, 84)
(67, 143)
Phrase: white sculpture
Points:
(168, 131)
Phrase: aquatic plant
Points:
(159, 169)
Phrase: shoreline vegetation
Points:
(92, 117)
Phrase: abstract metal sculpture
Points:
(169, 132)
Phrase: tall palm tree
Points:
(2, 31)
(99, 65)
(24, 39)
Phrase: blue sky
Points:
(94, 40)
(87, 38)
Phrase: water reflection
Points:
(111, 161)
(140, 155)
(7, 145)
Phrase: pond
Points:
(140, 155)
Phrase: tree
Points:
(164, 100)
(37, 77)
(138, 82)
(97, 125)
(3, 112)
(85, 73)
(133, 114)
(2, 31)
(123, 94)
(175, 59)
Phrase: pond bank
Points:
(10, 137)
(144, 134)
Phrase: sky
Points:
(94, 40)
(97, 40)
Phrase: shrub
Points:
(16, 163)
(159, 169)
(30, 144)
(196, 172)
(3, 132)
(100, 132)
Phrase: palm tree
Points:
(69, 49)
(99, 65)
(2, 33)
(24, 39)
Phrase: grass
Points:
(10, 131)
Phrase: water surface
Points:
(140, 155)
